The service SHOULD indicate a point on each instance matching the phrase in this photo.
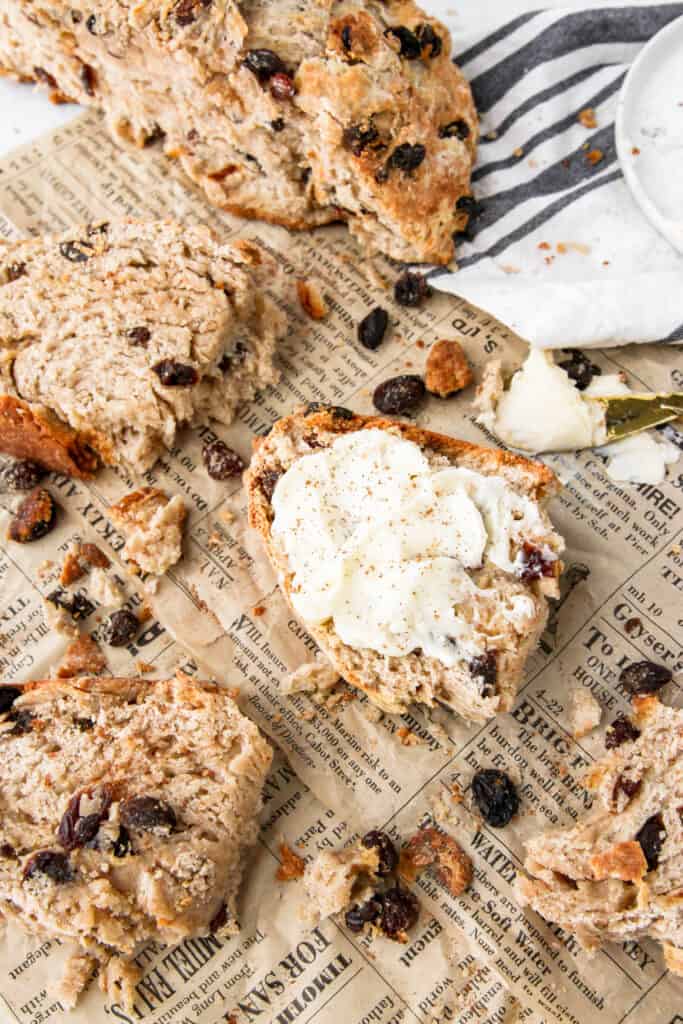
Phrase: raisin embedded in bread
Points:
(475, 672)
(296, 113)
(618, 875)
(128, 807)
(115, 334)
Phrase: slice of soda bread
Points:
(420, 564)
(618, 875)
(127, 810)
(123, 332)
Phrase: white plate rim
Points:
(624, 143)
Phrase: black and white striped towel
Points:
(559, 250)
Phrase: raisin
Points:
(219, 919)
(407, 157)
(156, 135)
(15, 271)
(76, 17)
(75, 252)
(8, 695)
(282, 86)
(139, 336)
(88, 79)
(22, 476)
(91, 24)
(580, 369)
(264, 64)
(8, 851)
(278, 125)
(185, 11)
(356, 138)
(372, 328)
(45, 77)
(122, 843)
(468, 205)
(410, 44)
(455, 130)
(411, 289)
(495, 795)
(221, 462)
(34, 518)
(364, 913)
(629, 787)
(380, 841)
(484, 668)
(22, 722)
(51, 863)
(267, 482)
(644, 677)
(428, 38)
(399, 395)
(651, 838)
(121, 628)
(400, 911)
(84, 724)
(76, 830)
(147, 814)
(175, 375)
(80, 607)
(534, 564)
(622, 730)
(337, 411)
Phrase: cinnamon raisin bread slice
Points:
(124, 331)
(618, 875)
(301, 113)
(127, 809)
(420, 564)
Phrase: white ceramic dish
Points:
(649, 131)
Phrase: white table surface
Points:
(25, 114)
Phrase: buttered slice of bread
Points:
(113, 335)
(618, 875)
(420, 564)
(127, 809)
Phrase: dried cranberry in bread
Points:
(618, 875)
(475, 647)
(300, 113)
(115, 334)
(128, 807)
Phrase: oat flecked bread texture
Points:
(297, 113)
(393, 683)
(127, 810)
(152, 524)
(618, 875)
(113, 335)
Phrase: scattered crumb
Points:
(311, 299)
(561, 248)
(432, 847)
(419, 344)
(92, 555)
(72, 569)
(631, 625)
(509, 269)
(44, 569)
(58, 619)
(103, 589)
(152, 523)
(407, 738)
(635, 151)
(371, 712)
(215, 539)
(519, 152)
(292, 866)
(544, 245)
(143, 667)
(144, 613)
(447, 370)
(587, 118)
(594, 156)
(258, 611)
(456, 793)
(585, 713)
(605, 263)
(83, 657)
(492, 135)
(227, 516)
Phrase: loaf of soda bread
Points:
(343, 544)
(128, 807)
(300, 113)
(113, 335)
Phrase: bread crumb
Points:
(635, 151)
(313, 677)
(585, 713)
(83, 657)
(544, 245)
(519, 152)
(311, 299)
(143, 667)
(292, 866)
(152, 523)
(407, 738)
(72, 569)
(432, 847)
(594, 156)
(447, 370)
(258, 611)
(587, 117)
(103, 589)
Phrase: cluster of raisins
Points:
(392, 909)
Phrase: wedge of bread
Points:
(475, 655)
(115, 334)
(127, 809)
(618, 875)
(299, 112)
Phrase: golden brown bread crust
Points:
(31, 432)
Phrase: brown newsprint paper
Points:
(478, 958)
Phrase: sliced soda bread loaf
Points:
(300, 113)
(113, 335)
(618, 875)
(127, 809)
(420, 564)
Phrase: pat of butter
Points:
(380, 541)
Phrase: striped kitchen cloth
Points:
(558, 249)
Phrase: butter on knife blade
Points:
(542, 410)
